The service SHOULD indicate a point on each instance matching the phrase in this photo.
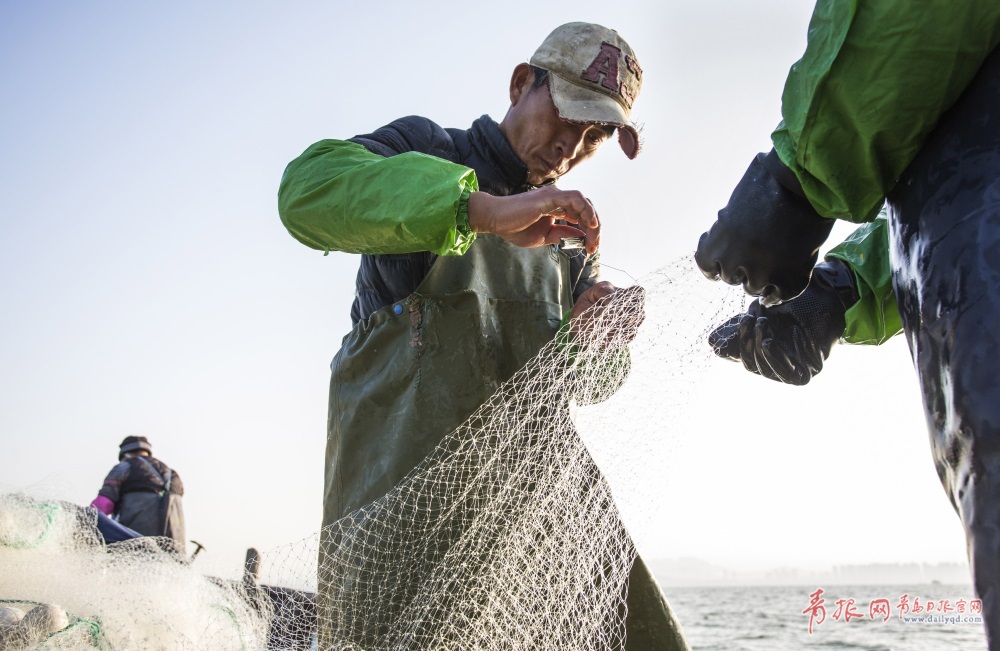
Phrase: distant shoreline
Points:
(691, 572)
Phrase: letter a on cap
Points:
(604, 64)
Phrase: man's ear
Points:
(520, 82)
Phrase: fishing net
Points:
(510, 535)
(61, 587)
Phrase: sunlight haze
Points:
(149, 287)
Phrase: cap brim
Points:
(577, 104)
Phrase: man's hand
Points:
(614, 329)
(789, 342)
(529, 219)
(766, 238)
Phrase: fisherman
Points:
(144, 494)
(461, 282)
(893, 102)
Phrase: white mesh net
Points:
(62, 588)
(510, 535)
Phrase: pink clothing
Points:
(103, 504)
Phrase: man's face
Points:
(549, 146)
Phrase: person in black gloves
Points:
(913, 122)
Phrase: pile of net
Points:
(510, 535)
(61, 587)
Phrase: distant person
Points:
(143, 493)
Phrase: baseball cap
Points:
(594, 77)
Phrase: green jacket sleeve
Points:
(875, 317)
(874, 80)
(339, 196)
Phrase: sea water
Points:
(928, 617)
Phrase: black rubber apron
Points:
(945, 238)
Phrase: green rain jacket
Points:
(857, 107)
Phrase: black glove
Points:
(789, 342)
(768, 235)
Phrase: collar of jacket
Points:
(490, 143)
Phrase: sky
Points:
(149, 288)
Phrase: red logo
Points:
(604, 70)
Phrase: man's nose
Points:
(569, 143)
